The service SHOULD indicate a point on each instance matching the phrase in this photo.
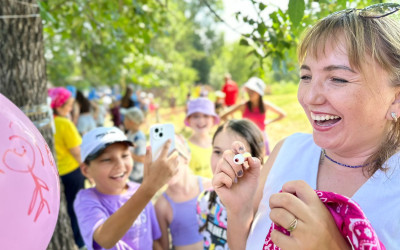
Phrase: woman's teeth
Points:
(324, 117)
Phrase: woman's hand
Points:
(315, 227)
(234, 183)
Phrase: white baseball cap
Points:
(99, 138)
(256, 84)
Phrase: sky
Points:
(245, 6)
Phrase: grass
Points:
(295, 121)
(284, 96)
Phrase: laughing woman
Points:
(350, 91)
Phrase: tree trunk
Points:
(23, 81)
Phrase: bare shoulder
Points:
(163, 209)
(162, 205)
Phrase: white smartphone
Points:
(159, 135)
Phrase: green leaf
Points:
(262, 6)
(261, 28)
(244, 42)
(296, 11)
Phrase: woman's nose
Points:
(314, 93)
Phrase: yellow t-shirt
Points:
(200, 160)
(65, 137)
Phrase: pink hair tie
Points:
(349, 218)
(59, 96)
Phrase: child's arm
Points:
(139, 152)
(156, 174)
(231, 111)
(157, 245)
(163, 211)
(138, 158)
(76, 153)
(281, 114)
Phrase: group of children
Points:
(117, 212)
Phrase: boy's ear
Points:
(85, 170)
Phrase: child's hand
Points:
(235, 183)
(157, 174)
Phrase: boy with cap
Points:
(116, 213)
(134, 118)
(201, 117)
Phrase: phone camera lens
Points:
(161, 134)
(156, 130)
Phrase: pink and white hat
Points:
(201, 105)
(256, 84)
(59, 96)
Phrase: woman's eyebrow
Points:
(331, 68)
(303, 66)
(339, 67)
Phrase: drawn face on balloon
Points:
(29, 182)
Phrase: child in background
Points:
(219, 102)
(116, 213)
(115, 111)
(176, 208)
(85, 121)
(67, 142)
(200, 117)
(134, 118)
(211, 213)
(255, 109)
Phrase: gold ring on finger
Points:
(292, 225)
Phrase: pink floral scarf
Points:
(350, 220)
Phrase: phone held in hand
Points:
(159, 135)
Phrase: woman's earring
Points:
(394, 116)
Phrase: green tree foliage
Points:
(172, 43)
(236, 60)
(149, 43)
(90, 39)
(275, 34)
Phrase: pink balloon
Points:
(29, 182)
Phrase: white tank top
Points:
(379, 197)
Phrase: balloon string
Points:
(39, 110)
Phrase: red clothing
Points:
(231, 91)
(255, 116)
(258, 119)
